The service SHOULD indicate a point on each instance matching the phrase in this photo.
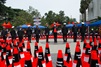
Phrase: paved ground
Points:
(54, 47)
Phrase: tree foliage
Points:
(84, 6)
(51, 17)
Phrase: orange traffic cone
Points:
(9, 56)
(91, 41)
(28, 61)
(20, 47)
(99, 47)
(15, 43)
(99, 60)
(47, 51)
(84, 49)
(95, 44)
(28, 47)
(94, 59)
(77, 57)
(16, 58)
(78, 43)
(67, 56)
(48, 56)
(22, 58)
(36, 50)
(86, 59)
(40, 57)
(60, 62)
(3, 54)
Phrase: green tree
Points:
(22, 18)
(2, 1)
(33, 12)
(83, 7)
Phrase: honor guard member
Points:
(13, 33)
(75, 30)
(20, 34)
(83, 30)
(29, 33)
(47, 32)
(37, 33)
(4, 33)
(55, 33)
(64, 32)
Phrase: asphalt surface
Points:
(54, 47)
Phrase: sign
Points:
(37, 21)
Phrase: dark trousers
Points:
(75, 37)
(83, 36)
(4, 37)
(20, 38)
(55, 37)
(13, 38)
(37, 38)
(29, 38)
(65, 37)
(47, 36)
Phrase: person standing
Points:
(29, 33)
(37, 33)
(100, 31)
(75, 30)
(64, 32)
(55, 33)
(47, 32)
(4, 34)
(93, 33)
(20, 34)
(13, 33)
(82, 30)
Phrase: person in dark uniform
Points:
(83, 30)
(13, 33)
(93, 33)
(75, 30)
(64, 31)
(4, 34)
(37, 34)
(55, 33)
(29, 33)
(47, 32)
(20, 34)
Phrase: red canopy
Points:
(8, 25)
(57, 24)
(4, 24)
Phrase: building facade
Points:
(94, 10)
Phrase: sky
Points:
(70, 7)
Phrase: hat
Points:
(82, 22)
(12, 26)
(92, 29)
(64, 23)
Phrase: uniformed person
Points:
(29, 33)
(20, 34)
(83, 30)
(4, 33)
(75, 30)
(55, 33)
(47, 32)
(13, 33)
(64, 32)
(37, 33)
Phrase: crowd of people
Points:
(64, 30)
